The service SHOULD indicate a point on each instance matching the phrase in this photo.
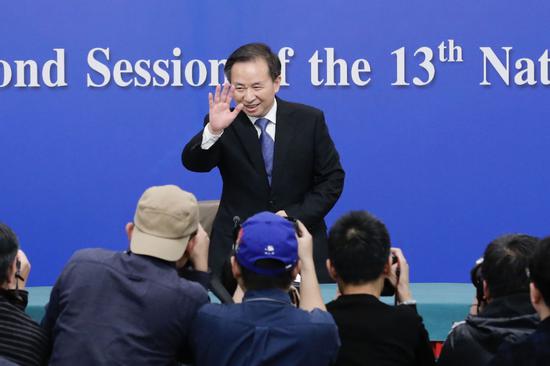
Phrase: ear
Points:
(235, 269)
(387, 266)
(277, 83)
(10, 279)
(486, 293)
(129, 228)
(331, 270)
(191, 245)
(11, 273)
(296, 270)
(180, 263)
(535, 295)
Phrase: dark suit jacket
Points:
(307, 177)
(374, 333)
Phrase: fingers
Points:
(237, 110)
(217, 94)
(225, 91)
(203, 236)
(399, 255)
(223, 94)
(226, 94)
(402, 265)
(302, 229)
(22, 257)
(230, 93)
(198, 252)
(25, 264)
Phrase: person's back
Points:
(120, 308)
(21, 340)
(266, 329)
(534, 350)
(506, 314)
(132, 308)
(373, 333)
(507, 319)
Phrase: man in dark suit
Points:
(272, 155)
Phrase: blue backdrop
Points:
(448, 166)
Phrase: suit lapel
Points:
(284, 135)
(248, 137)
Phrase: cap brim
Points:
(154, 246)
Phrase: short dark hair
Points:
(9, 245)
(256, 281)
(504, 263)
(358, 247)
(253, 51)
(539, 270)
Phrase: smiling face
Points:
(254, 87)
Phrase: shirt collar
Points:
(270, 294)
(271, 115)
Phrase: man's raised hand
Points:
(220, 113)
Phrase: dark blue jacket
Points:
(264, 330)
(119, 308)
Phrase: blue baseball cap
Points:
(267, 236)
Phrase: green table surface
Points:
(440, 304)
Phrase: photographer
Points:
(265, 329)
(535, 349)
(132, 307)
(506, 314)
(22, 341)
(373, 333)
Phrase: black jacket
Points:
(22, 341)
(475, 341)
(377, 334)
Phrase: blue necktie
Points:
(267, 146)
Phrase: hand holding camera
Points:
(399, 276)
(198, 253)
(22, 270)
(305, 243)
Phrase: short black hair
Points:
(539, 269)
(359, 247)
(504, 263)
(256, 281)
(250, 52)
(9, 245)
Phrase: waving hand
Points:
(221, 115)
